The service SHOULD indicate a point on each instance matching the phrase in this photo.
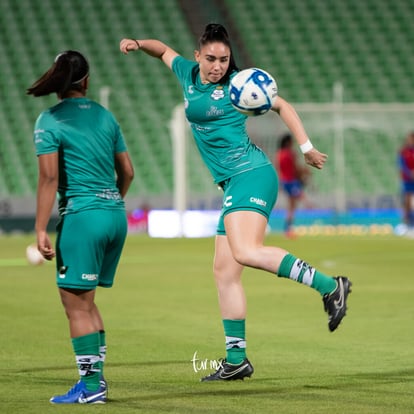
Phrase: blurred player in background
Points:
(80, 147)
(406, 167)
(249, 182)
(293, 177)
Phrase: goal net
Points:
(361, 140)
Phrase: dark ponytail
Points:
(69, 69)
(215, 32)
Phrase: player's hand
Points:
(44, 246)
(315, 158)
(128, 45)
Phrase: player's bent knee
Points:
(245, 257)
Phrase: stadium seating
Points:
(311, 44)
(307, 46)
(143, 92)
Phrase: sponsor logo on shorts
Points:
(228, 202)
(258, 201)
(89, 276)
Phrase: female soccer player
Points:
(82, 156)
(249, 183)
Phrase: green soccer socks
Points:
(302, 272)
(235, 332)
(86, 349)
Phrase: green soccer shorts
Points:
(254, 190)
(88, 248)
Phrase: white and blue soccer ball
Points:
(253, 91)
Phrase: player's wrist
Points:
(306, 147)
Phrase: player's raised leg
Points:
(246, 232)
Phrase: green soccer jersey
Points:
(87, 137)
(218, 129)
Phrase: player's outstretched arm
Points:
(292, 120)
(315, 158)
(152, 47)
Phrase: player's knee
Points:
(245, 256)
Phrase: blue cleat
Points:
(79, 394)
(104, 385)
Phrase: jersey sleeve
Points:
(120, 145)
(45, 140)
(182, 68)
(119, 140)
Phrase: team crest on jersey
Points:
(218, 93)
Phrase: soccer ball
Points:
(34, 257)
(253, 91)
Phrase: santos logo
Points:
(258, 201)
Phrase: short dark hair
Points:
(285, 140)
(215, 32)
(69, 69)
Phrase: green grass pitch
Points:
(163, 310)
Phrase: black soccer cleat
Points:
(335, 302)
(230, 372)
